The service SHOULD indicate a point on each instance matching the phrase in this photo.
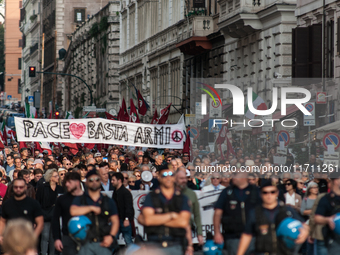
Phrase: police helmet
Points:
(211, 248)
(337, 223)
(288, 231)
(78, 227)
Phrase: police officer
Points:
(102, 211)
(166, 214)
(232, 208)
(328, 206)
(263, 221)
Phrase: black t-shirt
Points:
(271, 216)
(323, 188)
(28, 209)
(61, 209)
(324, 207)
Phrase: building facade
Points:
(93, 55)
(13, 47)
(222, 39)
(31, 38)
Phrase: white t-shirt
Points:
(290, 199)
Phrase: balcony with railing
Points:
(192, 34)
(239, 18)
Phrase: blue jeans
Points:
(126, 231)
(47, 242)
(320, 248)
(232, 246)
(333, 248)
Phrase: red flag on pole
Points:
(155, 117)
(124, 116)
(220, 140)
(110, 117)
(186, 147)
(133, 113)
(142, 108)
(164, 114)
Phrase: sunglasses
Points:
(126, 178)
(166, 174)
(18, 187)
(137, 175)
(15, 147)
(68, 164)
(268, 192)
(55, 176)
(61, 174)
(131, 181)
(212, 178)
(288, 184)
(94, 179)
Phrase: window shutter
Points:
(300, 52)
(315, 51)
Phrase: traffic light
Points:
(31, 72)
(57, 115)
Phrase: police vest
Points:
(327, 232)
(100, 223)
(265, 232)
(174, 205)
(234, 213)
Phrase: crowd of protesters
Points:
(33, 180)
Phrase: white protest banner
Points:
(206, 199)
(98, 131)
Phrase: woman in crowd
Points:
(47, 195)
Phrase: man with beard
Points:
(101, 210)
(21, 206)
(124, 201)
(65, 244)
(181, 183)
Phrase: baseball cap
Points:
(61, 169)
(97, 154)
(40, 155)
(37, 161)
(187, 172)
(249, 162)
(45, 152)
(90, 173)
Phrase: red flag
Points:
(187, 145)
(123, 115)
(220, 140)
(73, 147)
(133, 113)
(164, 114)
(142, 108)
(155, 117)
(22, 145)
(110, 117)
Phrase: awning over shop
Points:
(334, 126)
(331, 127)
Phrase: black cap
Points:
(163, 167)
(267, 183)
(92, 172)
